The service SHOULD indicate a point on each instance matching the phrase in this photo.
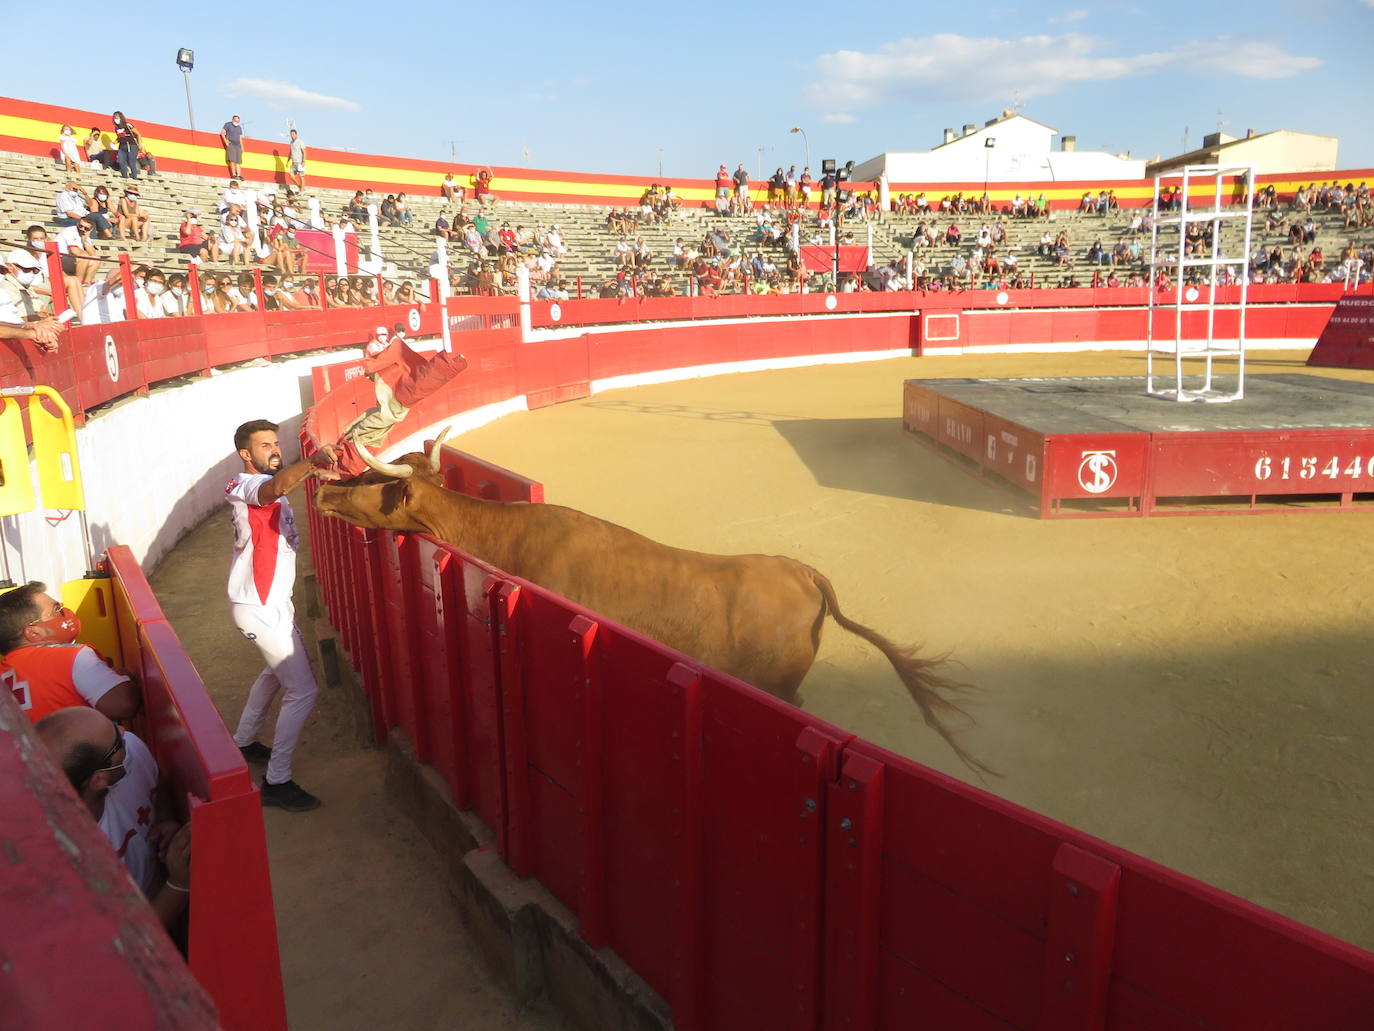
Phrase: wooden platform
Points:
(1100, 446)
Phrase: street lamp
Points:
(988, 144)
(186, 60)
(805, 142)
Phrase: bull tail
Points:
(929, 689)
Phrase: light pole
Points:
(805, 142)
(660, 162)
(762, 148)
(186, 60)
(988, 145)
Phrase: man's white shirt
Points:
(263, 570)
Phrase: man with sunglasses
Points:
(45, 668)
(116, 776)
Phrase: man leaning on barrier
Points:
(45, 668)
(117, 778)
(20, 318)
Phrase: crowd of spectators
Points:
(77, 702)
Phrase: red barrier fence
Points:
(762, 868)
(77, 935)
(99, 363)
(232, 936)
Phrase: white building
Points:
(1281, 150)
(1010, 149)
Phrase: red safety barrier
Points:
(77, 935)
(232, 936)
(760, 867)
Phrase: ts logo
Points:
(1097, 471)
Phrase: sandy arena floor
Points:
(1197, 690)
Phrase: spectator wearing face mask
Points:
(191, 239)
(21, 310)
(69, 150)
(104, 301)
(38, 642)
(148, 295)
(214, 299)
(233, 236)
(175, 300)
(73, 204)
(79, 257)
(115, 775)
(128, 142)
(289, 295)
(132, 219)
(232, 138)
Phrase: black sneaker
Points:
(290, 796)
(255, 752)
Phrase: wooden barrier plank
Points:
(853, 896)
(507, 622)
(690, 959)
(1078, 945)
(591, 899)
(232, 938)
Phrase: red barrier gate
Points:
(232, 937)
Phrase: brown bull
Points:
(755, 617)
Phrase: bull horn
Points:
(434, 451)
(385, 468)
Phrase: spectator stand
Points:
(231, 939)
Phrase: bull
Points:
(755, 617)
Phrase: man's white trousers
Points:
(273, 630)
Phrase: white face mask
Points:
(269, 292)
(26, 277)
(66, 132)
(208, 289)
(155, 288)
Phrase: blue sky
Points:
(539, 84)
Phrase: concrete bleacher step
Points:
(28, 185)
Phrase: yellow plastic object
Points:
(93, 601)
(16, 485)
(54, 448)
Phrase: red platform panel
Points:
(1098, 465)
(1347, 341)
(1292, 462)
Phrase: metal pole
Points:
(190, 113)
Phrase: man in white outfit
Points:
(261, 578)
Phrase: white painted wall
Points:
(155, 466)
(1023, 152)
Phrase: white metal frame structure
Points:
(1169, 256)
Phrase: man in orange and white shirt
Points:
(261, 577)
(45, 668)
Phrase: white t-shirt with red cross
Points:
(263, 570)
(130, 812)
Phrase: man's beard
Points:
(268, 465)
